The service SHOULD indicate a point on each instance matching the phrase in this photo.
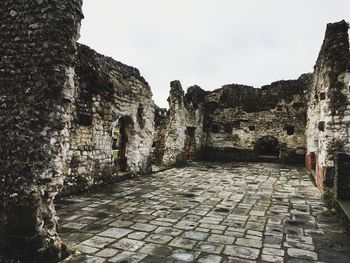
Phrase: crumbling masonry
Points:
(63, 107)
(284, 121)
(328, 126)
(71, 118)
(238, 123)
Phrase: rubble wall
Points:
(160, 125)
(174, 139)
(36, 93)
(107, 91)
(59, 105)
(328, 126)
(194, 104)
(185, 112)
(230, 122)
(237, 117)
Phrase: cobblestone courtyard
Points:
(206, 213)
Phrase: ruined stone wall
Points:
(237, 117)
(59, 104)
(328, 126)
(38, 53)
(228, 123)
(185, 112)
(194, 104)
(160, 125)
(107, 91)
(174, 139)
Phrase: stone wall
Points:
(160, 124)
(308, 115)
(194, 104)
(107, 92)
(37, 67)
(61, 106)
(185, 114)
(237, 118)
(328, 126)
(230, 123)
(174, 139)
(283, 121)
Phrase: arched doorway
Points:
(121, 139)
(267, 146)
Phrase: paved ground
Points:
(206, 213)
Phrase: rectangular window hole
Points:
(289, 129)
(251, 128)
(321, 126)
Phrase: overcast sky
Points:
(211, 42)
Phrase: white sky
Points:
(211, 42)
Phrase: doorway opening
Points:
(121, 140)
(343, 176)
(190, 143)
(267, 146)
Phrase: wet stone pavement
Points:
(209, 213)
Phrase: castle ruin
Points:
(290, 121)
(71, 119)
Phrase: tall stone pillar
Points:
(37, 88)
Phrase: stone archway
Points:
(267, 146)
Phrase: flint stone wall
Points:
(107, 90)
(185, 111)
(237, 116)
(59, 102)
(308, 115)
(37, 67)
(160, 124)
(230, 121)
(328, 125)
(174, 139)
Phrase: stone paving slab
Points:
(206, 212)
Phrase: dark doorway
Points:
(190, 143)
(267, 146)
(121, 137)
(343, 176)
